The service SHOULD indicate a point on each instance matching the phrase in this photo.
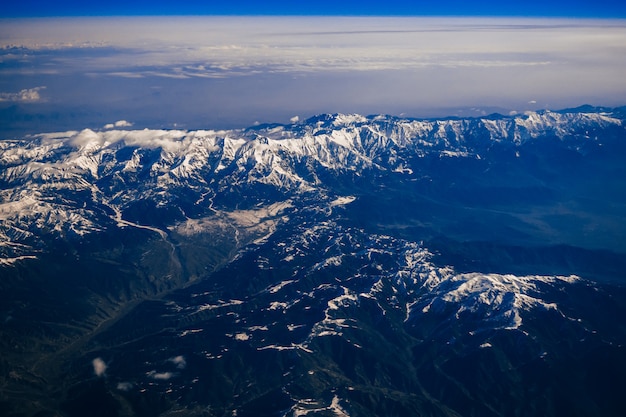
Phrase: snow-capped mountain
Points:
(74, 183)
(342, 265)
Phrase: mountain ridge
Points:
(340, 265)
(283, 157)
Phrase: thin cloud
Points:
(303, 65)
(168, 140)
(211, 47)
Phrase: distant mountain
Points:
(342, 265)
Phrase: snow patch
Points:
(342, 201)
(276, 288)
(221, 304)
(188, 332)
(304, 407)
(11, 261)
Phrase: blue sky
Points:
(534, 8)
(269, 61)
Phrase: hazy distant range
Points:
(228, 72)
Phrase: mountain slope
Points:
(343, 265)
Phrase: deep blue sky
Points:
(571, 8)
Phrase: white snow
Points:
(502, 298)
(305, 406)
(276, 288)
(188, 332)
(276, 305)
(222, 304)
(11, 261)
(342, 201)
(347, 298)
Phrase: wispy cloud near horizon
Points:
(188, 47)
(262, 66)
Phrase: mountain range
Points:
(343, 265)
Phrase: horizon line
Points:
(315, 15)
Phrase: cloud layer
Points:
(216, 47)
(204, 71)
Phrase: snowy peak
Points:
(76, 182)
(338, 265)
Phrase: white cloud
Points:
(87, 137)
(28, 95)
(99, 367)
(164, 376)
(168, 140)
(214, 47)
(119, 123)
(295, 119)
(179, 361)
(340, 64)
(532, 102)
